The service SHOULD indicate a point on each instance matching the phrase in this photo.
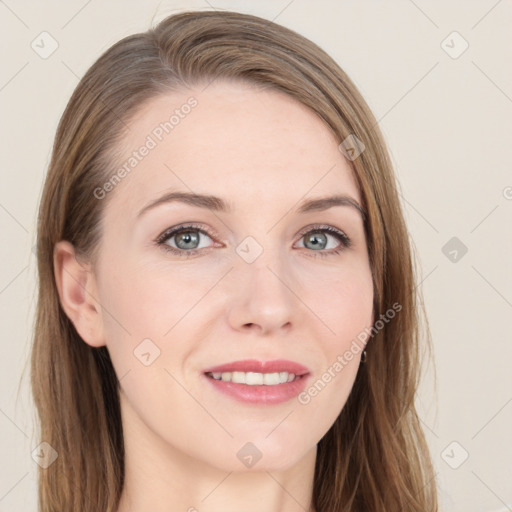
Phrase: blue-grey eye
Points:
(316, 239)
(187, 239)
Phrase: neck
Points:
(162, 478)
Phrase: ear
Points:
(77, 289)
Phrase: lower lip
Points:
(260, 394)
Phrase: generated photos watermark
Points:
(358, 344)
(157, 135)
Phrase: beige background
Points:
(448, 122)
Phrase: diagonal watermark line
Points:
(72, 72)
(285, 490)
(279, 423)
(404, 95)
(13, 279)
(14, 14)
(508, 508)
(510, 400)
(14, 76)
(420, 283)
(208, 84)
(13, 486)
(485, 15)
(13, 218)
(75, 15)
(424, 13)
(301, 300)
(495, 289)
(125, 374)
(199, 403)
(282, 10)
(99, 99)
(211, 5)
(312, 187)
(419, 213)
(484, 218)
(199, 301)
(427, 426)
(491, 80)
(217, 486)
(13, 423)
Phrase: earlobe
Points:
(77, 293)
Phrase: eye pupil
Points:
(313, 238)
(187, 237)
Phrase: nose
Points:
(262, 297)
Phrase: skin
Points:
(265, 153)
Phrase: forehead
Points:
(254, 147)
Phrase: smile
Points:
(253, 378)
(257, 382)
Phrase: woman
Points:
(227, 316)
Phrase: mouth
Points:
(259, 382)
(254, 378)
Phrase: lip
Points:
(253, 365)
(260, 394)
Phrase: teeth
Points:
(253, 378)
(238, 377)
(271, 379)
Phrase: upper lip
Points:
(253, 365)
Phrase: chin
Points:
(258, 453)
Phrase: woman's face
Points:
(256, 280)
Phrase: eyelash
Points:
(345, 241)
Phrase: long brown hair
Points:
(374, 457)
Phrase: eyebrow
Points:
(217, 204)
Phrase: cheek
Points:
(149, 300)
(345, 305)
(344, 301)
(348, 314)
(147, 311)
